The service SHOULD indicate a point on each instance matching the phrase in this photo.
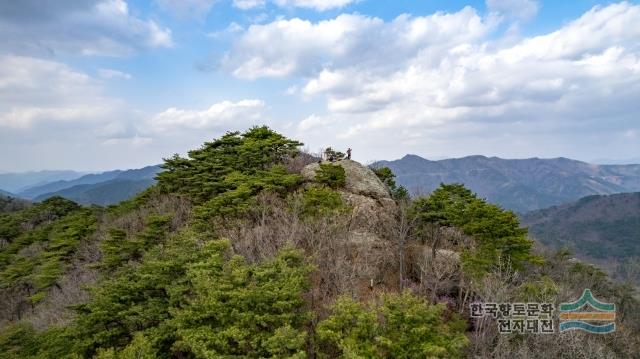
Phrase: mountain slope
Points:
(521, 185)
(103, 193)
(6, 194)
(50, 189)
(597, 228)
(17, 182)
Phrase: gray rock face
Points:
(372, 206)
(359, 179)
(369, 214)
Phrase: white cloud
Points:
(300, 47)
(232, 29)
(219, 116)
(159, 37)
(516, 9)
(35, 91)
(113, 74)
(314, 121)
(53, 116)
(248, 4)
(448, 80)
(320, 5)
(94, 27)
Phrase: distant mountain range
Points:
(521, 185)
(595, 228)
(609, 161)
(16, 182)
(6, 194)
(102, 193)
(148, 172)
(103, 189)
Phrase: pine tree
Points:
(500, 241)
(403, 326)
(240, 310)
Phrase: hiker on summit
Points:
(349, 153)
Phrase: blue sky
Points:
(103, 84)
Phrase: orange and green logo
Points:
(588, 314)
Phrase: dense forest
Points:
(250, 248)
(599, 229)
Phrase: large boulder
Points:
(371, 203)
(369, 213)
(360, 179)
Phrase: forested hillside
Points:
(521, 185)
(601, 229)
(248, 248)
(9, 203)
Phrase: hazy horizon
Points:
(631, 161)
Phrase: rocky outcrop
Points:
(368, 213)
(370, 200)
(359, 179)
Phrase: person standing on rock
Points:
(349, 153)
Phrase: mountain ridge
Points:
(6, 194)
(521, 185)
(101, 193)
(603, 229)
(53, 188)
(19, 181)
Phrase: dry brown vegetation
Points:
(343, 264)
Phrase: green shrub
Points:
(541, 290)
(54, 245)
(330, 175)
(404, 326)
(321, 201)
(388, 179)
(18, 341)
(224, 177)
(191, 297)
(21, 340)
(243, 190)
(117, 249)
(225, 163)
(244, 311)
(499, 239)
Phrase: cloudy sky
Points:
(104, 84)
